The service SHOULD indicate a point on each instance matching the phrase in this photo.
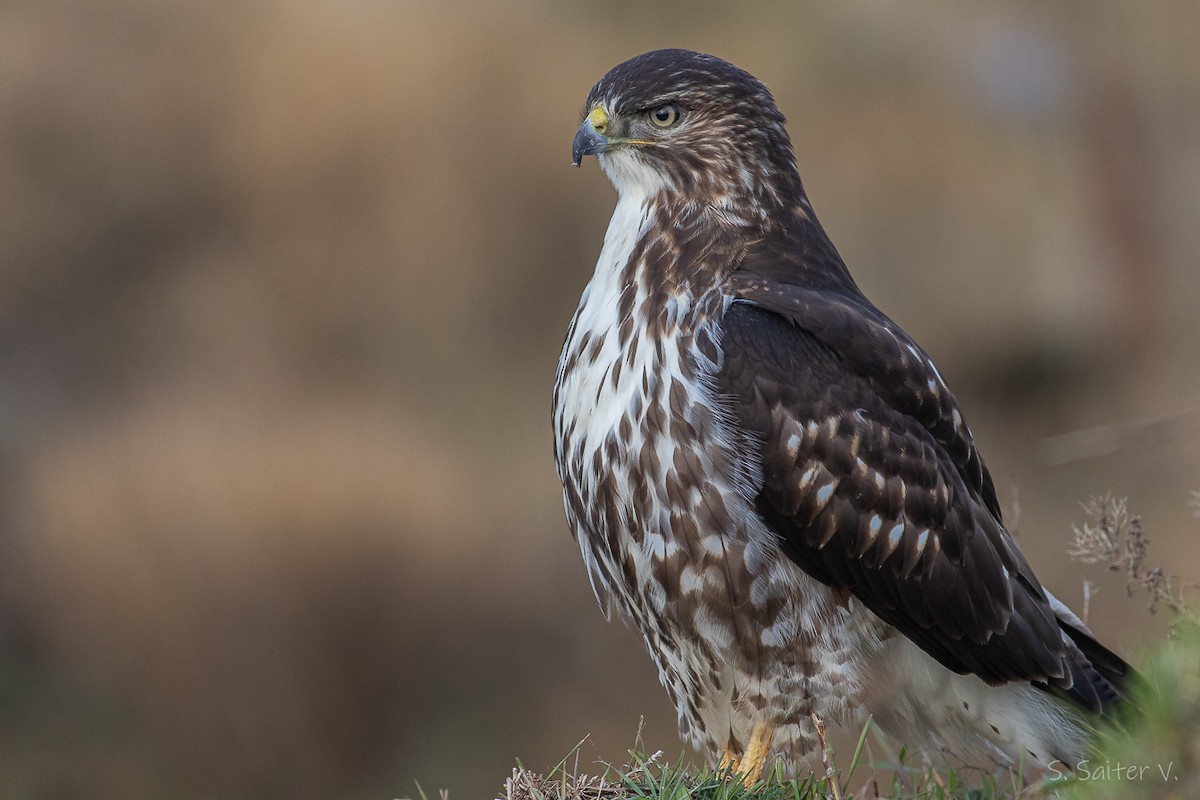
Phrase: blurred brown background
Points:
(282, 288)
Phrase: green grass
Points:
(1153, 752)
(652, 778)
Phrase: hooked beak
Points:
(590, 138)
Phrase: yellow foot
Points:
(750, 765)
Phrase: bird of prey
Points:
(770, 480)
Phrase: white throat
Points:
(631, 175)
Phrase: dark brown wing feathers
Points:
(872, 482)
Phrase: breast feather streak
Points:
(586, 391)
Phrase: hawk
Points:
(770, 479)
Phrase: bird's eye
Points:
(665, 116)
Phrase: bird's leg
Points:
(729, 760)
(749, 767)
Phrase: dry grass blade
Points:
(526, 785)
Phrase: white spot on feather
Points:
(825, 492)
(921, 540)
(810, 475)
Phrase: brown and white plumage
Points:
(769, 478)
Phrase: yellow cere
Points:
(599, 119)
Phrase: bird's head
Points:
(691, 123)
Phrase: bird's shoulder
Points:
(870, 477)
(801, 280)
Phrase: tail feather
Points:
(1100, 677)
(1104, 671)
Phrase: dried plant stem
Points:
(829, 774)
